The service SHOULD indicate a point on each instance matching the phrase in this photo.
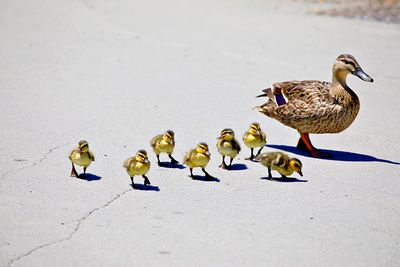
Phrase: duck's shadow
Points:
(204, 179)
(171, 165)
(143, 187)
(336, 155)
(284, 180)
(237, 167)
(88, 177)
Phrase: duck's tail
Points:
(275, 99)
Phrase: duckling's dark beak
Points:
(301, 174)
(362, 75)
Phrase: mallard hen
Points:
(316, 106)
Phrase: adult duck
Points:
(316, 107)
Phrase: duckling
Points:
(198, 157)
(280, 162)
(81, 156)
(315, 106)
(227, 146)
(138, 165)
(164, 143)
(254, 137)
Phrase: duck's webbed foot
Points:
(74, 173)
(207, 175)
(223, 164)
(305, 144)
(252, 155)
(173, 161)
(146, 180)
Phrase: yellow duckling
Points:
(138, 165)
(198, 157)
(81, 156)
(227, 146)
(164, 143)
(254, 137)
(280, 162)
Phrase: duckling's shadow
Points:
(237, 167)
(284, 180)
(204, 179)
(143, 187)
(171, 165)
(88, 177)
(336, 155)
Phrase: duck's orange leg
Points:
(306, 145)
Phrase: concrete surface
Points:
(116, 73)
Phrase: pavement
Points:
(117, 73)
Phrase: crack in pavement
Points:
(42, 158)
(75, 230)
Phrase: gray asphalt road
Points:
(117, 73)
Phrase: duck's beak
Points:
(301, 174)
(362, 75)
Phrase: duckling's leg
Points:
(306, 145)
(223, 164)
(191, 172)
(208, 176)
(259, 151)
(230, 163)
(158, 159)
(132, 180)
(173, 161)
(84, 170)
(146, 180)
(74, 173)
(269, 172)
(251, 156)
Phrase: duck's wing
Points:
(236, 145)
(127, 162)
(91, 155)
(293, 100)
(155, 140)
(308, 91)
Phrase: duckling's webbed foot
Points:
(230, 163)
(173, 161)
(207, 175)
(223, 164)
(252, 155)
(146, 180)
(74, 173)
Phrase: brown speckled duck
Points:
(316, 106)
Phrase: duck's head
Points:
(141, 156)
(296, 165)
(227, 134)
(83, 146)
(202, 148)
(168, 136)
(346, 64)
(254, 128)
